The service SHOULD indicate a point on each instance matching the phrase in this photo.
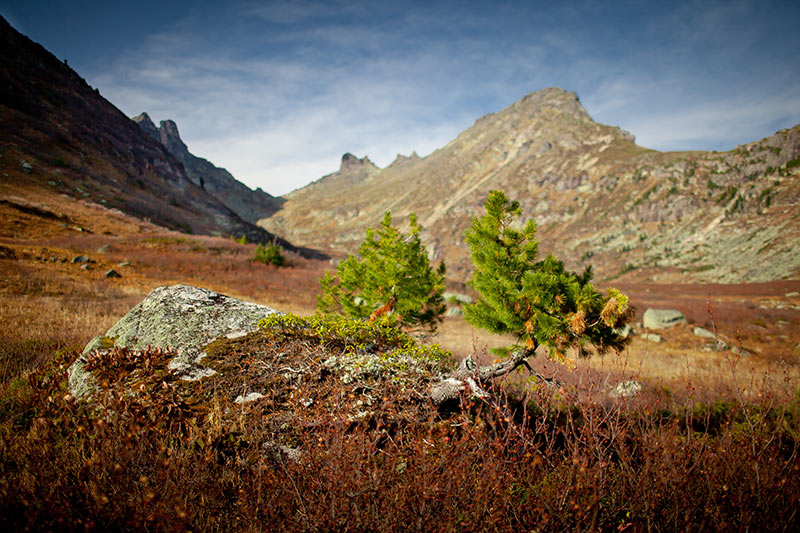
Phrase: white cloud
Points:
(276, 96)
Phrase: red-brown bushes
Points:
(163, 455)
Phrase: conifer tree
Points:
(538, 301)
(392, 278)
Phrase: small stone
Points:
(741, 351)
(454, 311)
(111, 273)
(81, 259)
(247, 398)
(51, 183)
(458, 297)
(104, 249)
(124, 264)
(792, 294)
(85, 267)
(703, 332)
(27, 168)
(625, 331)
(652, 337)
(720, 346)
(627, 389)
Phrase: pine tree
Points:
(392, 278)
(538, 301)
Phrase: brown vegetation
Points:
(175, 457)
(710, 443)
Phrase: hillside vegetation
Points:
(598, 198)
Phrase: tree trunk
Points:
(469, 376)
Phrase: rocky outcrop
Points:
(144, 122)
(180, 317)
(185, 320)
(251, 205)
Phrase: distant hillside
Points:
(598, 198)
(248, 204)
(79, 144)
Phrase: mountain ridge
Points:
(249, 204)
(636, 213)
(74, 142)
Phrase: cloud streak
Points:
(277, 91)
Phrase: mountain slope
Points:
(248, 204)
(597, 197)
(77, 143)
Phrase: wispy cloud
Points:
(277, 91)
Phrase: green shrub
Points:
(539, 302)
(392, 277)
(270, 254)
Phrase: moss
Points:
(353, 336)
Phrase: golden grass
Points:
(47, 299)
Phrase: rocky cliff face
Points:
(78, 143)
(598, 198)
(248, 204)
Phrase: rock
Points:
(104, 249)
(180, 317)
(81, 259)
(146, 123)
(454, 311)
(27, 168)
(247, 398)
(457, 297)
(625, 331)
(792, 294)
(124, 264)
(662, 318)
(720, 346)
(652, 337)
(111, 273)
(627, 389)
(703, 332)
(741, 351)
(85, 267)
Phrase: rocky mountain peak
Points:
(349, 161)
(552, 98)
(144, 121)
(403, 159)
(171, 138)
(250, 205)
(593, 192)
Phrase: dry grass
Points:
(710, 443)
(572, 459)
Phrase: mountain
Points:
(248, 204)
(59, 134)
(598, 197)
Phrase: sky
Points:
(277, 91)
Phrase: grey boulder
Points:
(662, 318)
(180, 317)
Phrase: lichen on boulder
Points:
(180, 317)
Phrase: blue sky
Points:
(277, 91)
